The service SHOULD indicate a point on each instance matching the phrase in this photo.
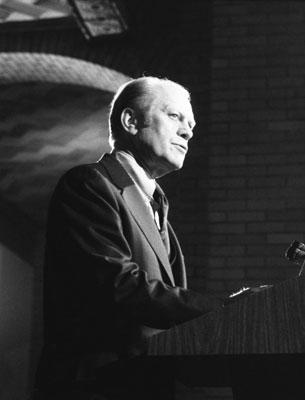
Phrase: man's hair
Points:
(132, 95)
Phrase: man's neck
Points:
(136, 171)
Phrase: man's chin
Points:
(167, 167)
(179, 164)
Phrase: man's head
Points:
(153, 119)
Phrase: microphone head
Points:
(296, 251)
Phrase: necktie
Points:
(160, 206)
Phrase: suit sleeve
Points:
(87, 234)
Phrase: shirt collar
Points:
(136, 172)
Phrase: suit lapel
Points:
(138, 210)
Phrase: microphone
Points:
(296, 253)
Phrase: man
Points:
(114, 271)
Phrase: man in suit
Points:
(114, 270)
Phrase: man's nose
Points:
(185, 132)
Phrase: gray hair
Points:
(132, 94)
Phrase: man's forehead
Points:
(170, 90)
(172, 95)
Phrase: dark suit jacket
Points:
(109, 284)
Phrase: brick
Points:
(232, 273)
(220, 41)
(284, 238)
(218, 171)
(289, 170)
(227, 251)
(217, 149)
(216, 262)
(230, 31)
(227, 205)
(227, 160)
(217, 194)
(286, 18)
(268, 181)
(231, 9)
(277, 71)
(219, 106)
(246, 239)
(297, 227)
(247, 104)
(278, 104)
(295, 70)
(252, 170)
(271, 147)
(295, 104)
(295, 202)
(249, 19)
(229, 94)
(220, 117)
(194, 260)
(214, 286)
(246, 216)
(247, 83)
(255, 93)
(267, 250)
(280, 261)
(288, 215)
(248, 62)
(217, 216)
(266, 137)
(273, 193)
(227, 228)
(219, 84)
(267, 275)
(219, 63)
(265, 227)
(219, 128)
(275, 29)
(221, 20)
(288, 81)
(229, 116)
(266, 115)
(245, 262)
(247, 40)
(295, 114)
(267, 159)
(217, 240)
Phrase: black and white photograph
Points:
(152, 199)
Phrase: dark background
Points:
(239, 200)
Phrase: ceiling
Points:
(28, 10)
(94, 18)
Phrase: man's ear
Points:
(129, 121)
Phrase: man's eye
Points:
(174, 115)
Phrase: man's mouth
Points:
(181, 147)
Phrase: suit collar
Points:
(144, 182)
(137, 208)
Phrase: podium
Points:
(254, 343)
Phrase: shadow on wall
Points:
(45, 128)
(16, 317)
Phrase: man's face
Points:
(164, 130)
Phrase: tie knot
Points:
(157, 201)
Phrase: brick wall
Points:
(256, 186)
